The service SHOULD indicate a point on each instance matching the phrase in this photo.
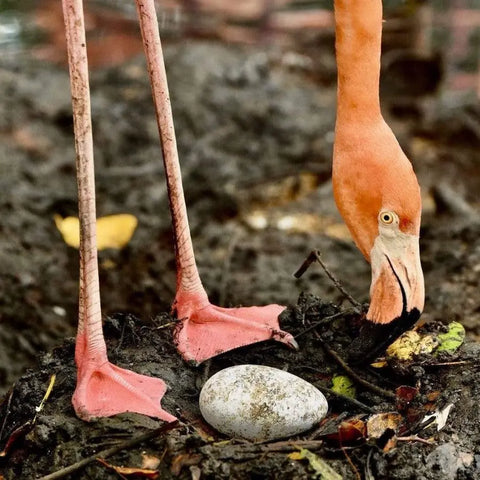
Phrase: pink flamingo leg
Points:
(204, 330)
(103, 389)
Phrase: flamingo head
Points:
(378, 195)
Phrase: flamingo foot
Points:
(105, 390)
(205, 330)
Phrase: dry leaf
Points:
(390, 443)
(378, 424)
(349, 431)
(150, 461)
(205, 436)
(113, 231)
(22, 431)
(196, 472)
(432, 396)
(184, 460)
(19, 432)
(440, 416)
(142, 472)
(405, 394)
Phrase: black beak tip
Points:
(374, 338)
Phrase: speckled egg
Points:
(256, 402)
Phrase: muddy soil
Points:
(255, 138)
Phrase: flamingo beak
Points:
(397, 294)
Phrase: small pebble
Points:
(257, 402)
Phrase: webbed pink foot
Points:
(105, 390)
(205, 330)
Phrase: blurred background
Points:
(253, 91)
(422, 27)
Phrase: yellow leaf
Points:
(113, 231)
(296, 456)
(379, 364)
(47, 393)
(344, 386)
(410, 344)
(451, 340)
(321, 468)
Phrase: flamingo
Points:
(102, 389)
(375, 187)
(204, 330)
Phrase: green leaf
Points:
(451, 340)
(322, 470)
(344, 386)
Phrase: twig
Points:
(9, 401)
(132, 442)
(324, 320)
(346, 399)
(316, 256)
(368, 470)
(448, 364)
(233, 451)
(415, 438)
(305, 265)
(351, 373)
(349, 460)
(122, 336)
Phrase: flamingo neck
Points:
(358, 30)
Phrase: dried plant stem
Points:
(316, 256)
(353, 375)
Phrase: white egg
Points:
(256, 402)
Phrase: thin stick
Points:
(316, 256)
(322, 321)
(415, 438)
(449, 364)
(132, 442)
(351, 373)
(233, 451)
(9, 401)
(305, 265)
(349, 460)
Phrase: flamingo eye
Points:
(387, 218)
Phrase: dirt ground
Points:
(255, 133)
